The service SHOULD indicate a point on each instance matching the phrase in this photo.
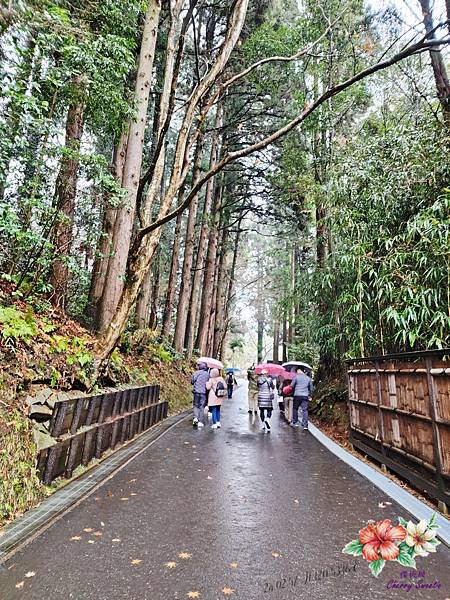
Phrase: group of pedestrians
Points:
(263, 391)
(210, 389)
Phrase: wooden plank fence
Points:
(399, 409)
(86, 427)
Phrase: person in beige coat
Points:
(217, 392)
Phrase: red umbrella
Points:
(271, 368)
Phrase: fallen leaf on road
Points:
(97, 499)
(193, 594)
(30, 574)
(97, 533)
(228, 591)
(296, 501)
(123, 499)
(234, 565)
(194, 446)
(91, 541)
(75, 538)
(88, 529)
(132, 480)
(133, 494)
(102, 524)
(209, 477)
(276, 554)
(381, 505)
(115, 540)
(109, 494)
(186, 442)
(136, 561)
(171, 564)
(388, 503)
(19, 585)
(184, 555)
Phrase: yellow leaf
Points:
(228, 591)
(88, 529)
(193, 594)
(123, 499)
(132, 480)
(91, 542)
(184, 555)
(234, 565)
(75, 538)
(30, 574)
(275, 554)
(296, 501)
(170, 564)
(115, 540)
(19, 585)
(133, 494)
(136, 561)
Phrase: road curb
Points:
(35, 521)
(413, 505)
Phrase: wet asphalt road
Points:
(231, 513)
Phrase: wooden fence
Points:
(86, 427)
(400, 415)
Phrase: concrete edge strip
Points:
(413, 505)
(77, 491)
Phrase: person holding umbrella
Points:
(265, 398)
(199, 380)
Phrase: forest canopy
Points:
(165, 164)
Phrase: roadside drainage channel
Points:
(25, 528)
(413, 505)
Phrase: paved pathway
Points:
(231, 513)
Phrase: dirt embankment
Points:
(41, 348)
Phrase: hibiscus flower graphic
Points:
(381, 541)
(378, 540)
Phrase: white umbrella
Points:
(296, 363)
(212, 363)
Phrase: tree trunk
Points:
(230, 292)
(220, 323)
(208, 280)
(276, 340)
(123, 224)
(186, 273)
(209, 348)
(103, 251)
(171, 285)
(440, 73)
(285, 336)
(65, 193)
(144, 301)
(202, 242)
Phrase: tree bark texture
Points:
(186, 274)
(437, 62)
(104, 245)
(172, 282)
(123, 225)
(65, 194)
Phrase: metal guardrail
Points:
(399, 409)
(85, 428)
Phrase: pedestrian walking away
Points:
(252, 393)
(199, 381)
(302, 390)
(231, 382)
(265, 398)
(217, 391)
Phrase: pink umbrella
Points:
(212, 363)
(271, 368)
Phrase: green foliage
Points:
(16, 325)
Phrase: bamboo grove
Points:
(143, 144)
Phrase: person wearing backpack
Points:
(231, 381)
(217, 391)
(199, 381)
(265, 398)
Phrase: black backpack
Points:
(220, 389)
